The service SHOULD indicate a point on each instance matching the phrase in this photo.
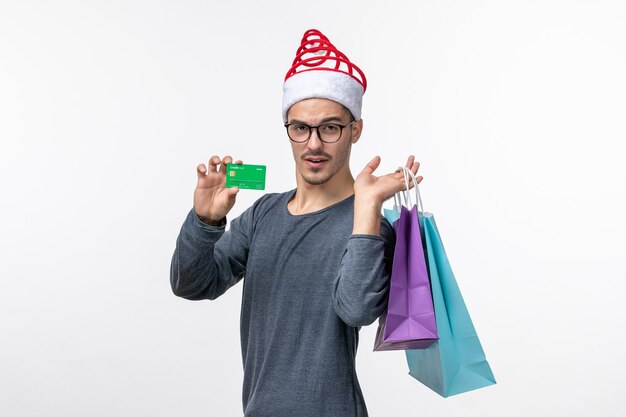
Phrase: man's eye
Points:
(299, 128)
(329, 128)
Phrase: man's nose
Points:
(314, 141)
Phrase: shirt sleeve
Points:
(362, 284)
(208, 260)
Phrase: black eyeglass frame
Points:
(317, 129)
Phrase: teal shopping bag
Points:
(456, 363)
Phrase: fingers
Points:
(225, 161)
(201, 170)
(372, 165)
(414, 167)
(409, 161)
(412, 164)
(214, 161)
(419, 180)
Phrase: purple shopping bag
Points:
(409, 322)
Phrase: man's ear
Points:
(357, 128)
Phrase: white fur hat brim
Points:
(327, 84)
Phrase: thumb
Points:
(231, 193)
(371, 166)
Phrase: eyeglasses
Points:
(326, 132)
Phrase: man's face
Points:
(316, 161)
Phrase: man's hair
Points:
(352, 118)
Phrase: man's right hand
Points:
(211, 199)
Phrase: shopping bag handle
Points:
(397, 198)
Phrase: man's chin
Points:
(315, 180)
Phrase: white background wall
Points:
(515, 109)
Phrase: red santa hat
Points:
(321, 71)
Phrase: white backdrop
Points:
(515, 109)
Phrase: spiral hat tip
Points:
(320, 70)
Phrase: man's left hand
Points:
(375, 190)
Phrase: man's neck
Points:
(309, 198)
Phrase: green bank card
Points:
(250, 177)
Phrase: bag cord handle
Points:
(397, 198)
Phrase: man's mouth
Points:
(315, 161)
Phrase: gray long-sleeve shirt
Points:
(309, 285)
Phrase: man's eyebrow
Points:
(325, 120)
(296, 121)
(332, 119)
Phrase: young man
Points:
(316, 260)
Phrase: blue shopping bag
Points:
(456, 363)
